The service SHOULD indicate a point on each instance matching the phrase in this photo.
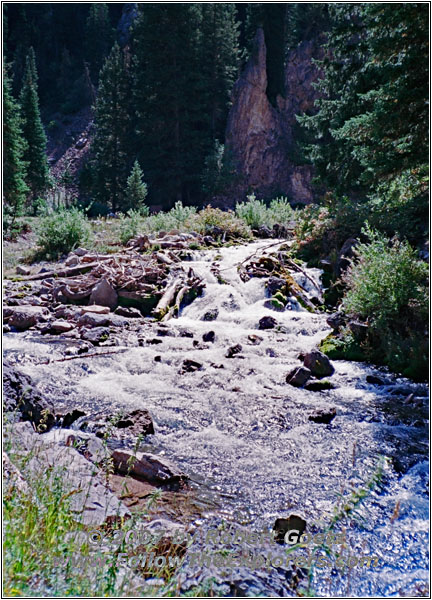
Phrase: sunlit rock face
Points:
(260, 137)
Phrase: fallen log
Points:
(167, 299)
(69, 272)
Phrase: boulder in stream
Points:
(318, 363)
(267, 322)
(298, 376)
(149, 467)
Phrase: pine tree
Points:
(167, 97)
(38, 175)
(99, 37)
(136, 190)
(112, 127)
(14, 186)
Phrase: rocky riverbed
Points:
(231, 396)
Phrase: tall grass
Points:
(255, 213)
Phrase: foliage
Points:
(225, 222)
(99, 37)
(62, 230)
(256, 213)
(321, 230)
(219, 172)
(179, 217)
(136, 191)
(130, 225)
(113, 129)
(38, 176)
(14, 173)
(387, 286)
(371, 121)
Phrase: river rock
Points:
(325, 415)
(359, 330)
(318, 363)
(104, 295)
(80, 251)
(375, 380)
(61, 326)
(275, 284)
(72, 260)
(128, 312)
(95, 309)
(346, 253)
(319, 386)
(95, 335)
(209, 336)
(137, 422)
(150, 467)
(190, 366)
(21, 397)
(211, 315)
(293, 523)
(93, 320)
(233, 350)
(24, 317)
(22, 270)
(298, 376)
(267, 322)
(336, 320)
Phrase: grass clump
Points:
(61, 231)
(178, 217)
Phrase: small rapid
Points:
(243, 434)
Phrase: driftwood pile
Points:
(155, 283)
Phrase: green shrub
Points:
(253, 212)
(387, 286)
(177, 218)
(62, 230)
(210, 218)
(130, 225)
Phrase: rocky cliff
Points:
(260, 137)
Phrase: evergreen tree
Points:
(219, 54)
(99, 36)
(112, 126)
(372, 118)
(38, 175)
(167, 97)
(136, 190)
(14, 186)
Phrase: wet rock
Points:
(346, 253)
(359, 330)
(255, 340)
(153, 341)
(326, 266)
(6, 328)
(294, 524)
(186, 333)
(149, 467)
(137, 422)
(190, 366)
(117, 321)
(324, 416)
(165, 332)
(209, 336)
(319, 386)
(263, 232)
(211, 315)
(104, 294)
(275, 284)
(267, 322)
(21, 397)
(233, 350)
(336, 320)
(24, 317)
(318, 363)
(128, 312)
(158, 358)
(70, 417)
(298, 376)
(96, 335)
(208, 240)
(22, 270)
(375, 380)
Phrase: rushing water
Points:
(243, 435)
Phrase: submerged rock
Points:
(233, 350)
(190, 366)
(294, 524)
(211, 315)
(209, 336)
(325, 415)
